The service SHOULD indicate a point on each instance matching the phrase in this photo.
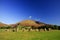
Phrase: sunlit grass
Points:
(32, 35)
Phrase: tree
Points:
(55, 27)
(58, 27)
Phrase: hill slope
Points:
(31, 23)
(2, 24)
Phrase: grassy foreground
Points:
(47, 35)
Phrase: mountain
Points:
(2, 24)
(31, 23)
(26, 23)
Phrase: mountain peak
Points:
(31, 23)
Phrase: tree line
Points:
(53, 27)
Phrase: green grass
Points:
(47, 35)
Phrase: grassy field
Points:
(47, 35)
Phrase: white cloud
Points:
(30, 17)
(37, 19)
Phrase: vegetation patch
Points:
(32, 35)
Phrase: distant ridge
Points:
(2, 24)
(26, 23)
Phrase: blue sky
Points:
(47, 11)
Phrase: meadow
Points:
(32, 35)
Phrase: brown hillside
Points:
(2, 24)
(31, 23)
(13, 25)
